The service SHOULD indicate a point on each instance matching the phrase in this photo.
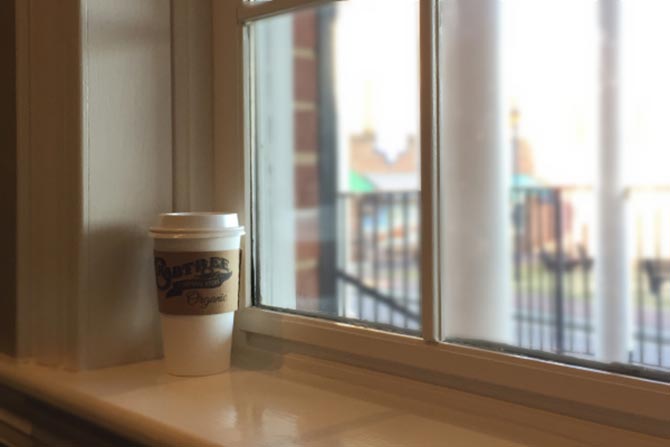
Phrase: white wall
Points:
(95, 167)
(127, 173)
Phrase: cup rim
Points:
(196, 213)
(192, 223)
(192, 233)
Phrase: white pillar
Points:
(475, 176)
(611, 261)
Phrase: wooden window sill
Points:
(295, 400)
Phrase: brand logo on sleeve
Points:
(204, 273)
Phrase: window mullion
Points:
(429, 167)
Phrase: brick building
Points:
(369, 162)
(314, 158)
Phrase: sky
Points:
(377, 77)
(550, 72)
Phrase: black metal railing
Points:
(553, 269)
(651, 337)
(650, 217)
(553, 266)
(379, 247)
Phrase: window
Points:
(337, 179)
(468, 172)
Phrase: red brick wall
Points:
(306, 158)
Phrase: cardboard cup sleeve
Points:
(197, 283)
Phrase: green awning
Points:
(359, 183)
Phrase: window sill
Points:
(297, 400)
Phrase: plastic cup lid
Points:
(197, 223)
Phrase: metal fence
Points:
(378, 277)
(650, 246)
(553, 263)
(553, 266)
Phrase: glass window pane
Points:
(646, 155)
(336, 150)
(555, 188)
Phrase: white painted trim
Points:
(231, 153)
(124, 177)
(93, 167)
(228, 108)
(248, 141)
(50, 196)
(546, 380)
(193, 169)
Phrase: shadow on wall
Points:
(123, 323)
(130, 170)
(126, 24)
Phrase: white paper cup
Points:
(197, 264)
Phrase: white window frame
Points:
(605, 397)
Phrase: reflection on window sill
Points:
(303, 401)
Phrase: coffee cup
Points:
(197, 261)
